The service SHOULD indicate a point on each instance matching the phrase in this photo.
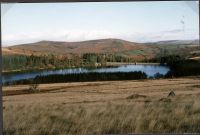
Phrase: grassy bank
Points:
(110, 107)
(169, 115)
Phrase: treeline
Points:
(82, 77)
(180, 66)
(17, 62)
(13, 62)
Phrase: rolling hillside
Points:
(178, 42)
(92, 46)
(106, 46)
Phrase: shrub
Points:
(171, 94)
(33, 88)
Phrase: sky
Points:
(132, 21)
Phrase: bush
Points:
(33, 88)
(171, 94)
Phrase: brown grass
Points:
(105, 108)
(135, 96)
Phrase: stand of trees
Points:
(179, 65)
(182, 67)
(35, 62)
(17, 62)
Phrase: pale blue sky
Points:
(133, 21)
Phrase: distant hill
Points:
(106, 46)
(176, 42)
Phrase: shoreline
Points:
(108, 64)
(136, 63)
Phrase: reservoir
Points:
(150, 70)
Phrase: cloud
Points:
(82, 35)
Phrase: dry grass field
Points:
(103, 107)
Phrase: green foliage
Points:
(172, 60)
(39, 62)
(33, 62)
(136, 52)
(13, 62)
(90, 59)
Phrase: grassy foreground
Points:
(105, 108)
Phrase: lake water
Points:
(150, 70)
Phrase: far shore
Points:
(132, 63)
(108, 64)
